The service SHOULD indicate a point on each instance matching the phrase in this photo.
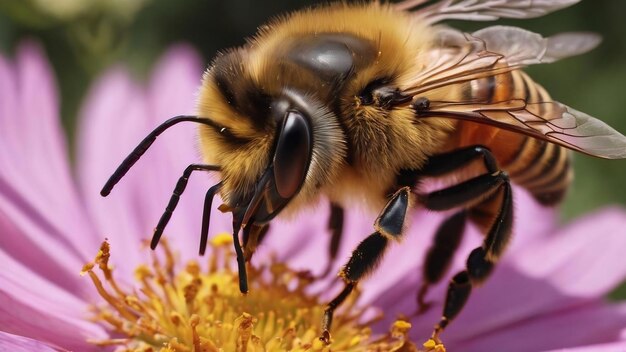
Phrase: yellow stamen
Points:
(433, 346)
(198, 310)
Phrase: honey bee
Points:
(361, 102)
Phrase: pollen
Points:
(172, 307)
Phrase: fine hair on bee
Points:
(359, 103)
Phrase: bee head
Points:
(277, 145)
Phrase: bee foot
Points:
(325, 338)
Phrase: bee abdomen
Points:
(542, 168)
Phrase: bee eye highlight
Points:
(293, 154)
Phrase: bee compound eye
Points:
(293, 154)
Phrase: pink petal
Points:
(111, 124)
(607, 347)
(532, 220)
(32, 306)
(16, 343)
(30, 244)
(49, 150)
(301, 240)
(583, 259)
(38, 204)
(585, 325)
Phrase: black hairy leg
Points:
(388, 226)
(335, 227)
(448, 235)
(206, 216)
(171, 205)
(440, 255)
(488, 201)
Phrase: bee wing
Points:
(523, 47)
(481, 10)
(550, 121)
(458, 57)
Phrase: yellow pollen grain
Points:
(433, 346)
(222, 239)
(196, 309)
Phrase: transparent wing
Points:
(458, 57)
(551, 121)
(481, 10)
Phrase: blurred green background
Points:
(82, 38)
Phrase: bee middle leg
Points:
(489, 200)
(388, 226)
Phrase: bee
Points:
(361, 103)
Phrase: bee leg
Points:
(253, 235)
(448, 235)
(171, 205)
(442, 164)
(206, 216)
(335, 226)
(389, 225)
(488, 198)
(482, 259)
(439, 256)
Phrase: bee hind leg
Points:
(488, 201)
(439, 256)
(388, 226)
(482, 259)
(449, 233)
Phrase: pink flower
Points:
(547, 292)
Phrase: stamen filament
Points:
(197, 310)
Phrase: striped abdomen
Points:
(542, 168)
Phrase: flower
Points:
(547, 292)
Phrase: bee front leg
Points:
(178, 191)
(389, 226)
(206, 216)
(253, 235)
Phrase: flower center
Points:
(197, 310)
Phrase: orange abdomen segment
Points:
(540, 167)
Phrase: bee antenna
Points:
(140, 149)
